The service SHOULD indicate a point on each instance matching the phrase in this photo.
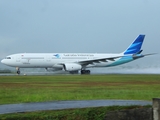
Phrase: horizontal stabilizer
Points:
(150, 54)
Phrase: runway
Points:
(59, 105)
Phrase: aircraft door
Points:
(18, 59)
(48, 59)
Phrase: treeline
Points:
(5, 71)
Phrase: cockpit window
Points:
(8, 57)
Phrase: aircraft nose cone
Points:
(2, 61)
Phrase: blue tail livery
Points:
(135, 47)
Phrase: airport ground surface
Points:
(61, 105)
(29, 89)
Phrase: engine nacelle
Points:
(72, 67)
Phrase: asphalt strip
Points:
(59, 105)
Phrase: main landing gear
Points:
(18, 70)
(85, 72)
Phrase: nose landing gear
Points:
(18, 70)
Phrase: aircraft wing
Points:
(92, 61)
(99, 60)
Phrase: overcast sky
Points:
(97, 26)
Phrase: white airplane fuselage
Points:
(72, 62)
(49, 60)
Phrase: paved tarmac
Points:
(59, 105)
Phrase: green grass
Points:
(21, 89)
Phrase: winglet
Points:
(135, 47)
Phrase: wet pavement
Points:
(59, 105)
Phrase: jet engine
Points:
(72, 67)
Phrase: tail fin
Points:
(135, 47)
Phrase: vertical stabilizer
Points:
(135, 47)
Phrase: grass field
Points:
(22, 89)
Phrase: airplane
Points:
(75, 62)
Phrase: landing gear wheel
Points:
(85, 72)
(82, 71)
(88, 71)
(18, 72)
